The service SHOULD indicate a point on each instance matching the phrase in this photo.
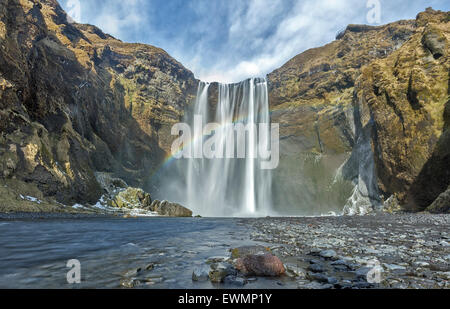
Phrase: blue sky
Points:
(230, 40)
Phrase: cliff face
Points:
(406, 96)
(74, 100)
(374, 99)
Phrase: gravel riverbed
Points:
(374, 251)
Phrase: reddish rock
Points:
(266, 265)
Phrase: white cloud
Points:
(232, 40)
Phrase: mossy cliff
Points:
(377, 96)
(74, 100)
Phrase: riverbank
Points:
(397, 251)
(370, 252)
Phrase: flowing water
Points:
(34, 253)
(232, 183)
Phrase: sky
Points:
(231, 40)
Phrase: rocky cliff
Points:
(74, 100)
(376, 99)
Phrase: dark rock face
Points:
(74, 100)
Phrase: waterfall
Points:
(232, 183)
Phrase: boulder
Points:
(165, 208)
(131, 198)
(266, 265)
(219, 271)
(441, 204)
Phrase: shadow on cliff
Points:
(434, 177)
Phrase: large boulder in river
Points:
(266, 265)
(132, 198)
(166, 208)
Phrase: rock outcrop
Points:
(74, 100)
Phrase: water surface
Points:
(34, 253)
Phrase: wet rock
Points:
(295, 271)
(314, 261)
(248, 250)
(260, 265)
(317, 268)
(216, 259)
(149, 266)
(234, 280)
(133, 272)
(342, 264)
(219, 271)
(362, 272)
(328, 254)
(130, 283)
(200, 273)
(322, 278)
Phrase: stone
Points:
(441, 204)
(266, 265)
(317, 268)
(131, 198)
(362, 272)
(328, 254)
(295, 271)
(130, 283)
(216, 259)
(236, 281)
(322, 278)
(219, 271)
(166, 208)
